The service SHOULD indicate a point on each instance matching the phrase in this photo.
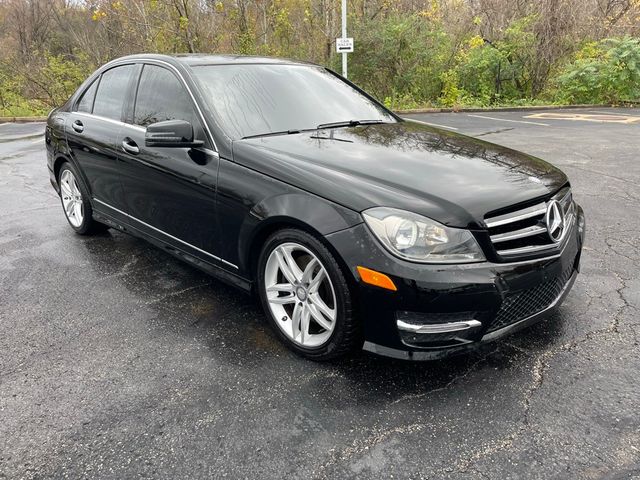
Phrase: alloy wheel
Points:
(300, 295)
(71, 198)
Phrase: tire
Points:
(75, 202)
(300, 311)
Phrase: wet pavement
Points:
(118, 361)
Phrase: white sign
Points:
(344, 45)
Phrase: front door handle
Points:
(78, 126)
(130, 146)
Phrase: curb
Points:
(500, 109)
(22, 119)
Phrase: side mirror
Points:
(171, 134)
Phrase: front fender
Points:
(301, 210)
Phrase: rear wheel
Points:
(306, 296)
(75, 202)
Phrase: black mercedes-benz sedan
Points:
(356, 228)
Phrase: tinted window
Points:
(112, 92)
(258, 99)
(86, 101)
(161, 97)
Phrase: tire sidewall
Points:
(343, 295)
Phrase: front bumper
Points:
(440, 310)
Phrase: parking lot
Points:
(117, 360)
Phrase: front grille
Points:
(523, 232)
(526, 303)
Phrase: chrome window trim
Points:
(100, 117)
(165, 233)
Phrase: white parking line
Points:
(430, 124)
(510, 121)
(613, 113)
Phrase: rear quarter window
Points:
(85, 104)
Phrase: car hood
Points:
(452, 178)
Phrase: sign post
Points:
(342, 44)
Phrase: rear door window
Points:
(112, 92)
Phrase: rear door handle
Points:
(78, 126)
(130, 146)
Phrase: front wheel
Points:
(306, 296)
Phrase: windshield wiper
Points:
(348, 123)
(270, 134)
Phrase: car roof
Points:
(195, 59)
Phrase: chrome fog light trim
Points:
(438, 327)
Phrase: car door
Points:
(170, 192)
(92, 129)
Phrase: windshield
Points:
(252, 100)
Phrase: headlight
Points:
(420, 239)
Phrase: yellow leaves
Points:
(451, 91)
(219, 7)
(98, 15)
(475, 42)
(462, 54)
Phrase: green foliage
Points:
(60, 77)
(411, 61)
(603, 72)
(400, 58)
(496, 72)
(34, 91)
(12, 101)
(449, 53)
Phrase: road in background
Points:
(117, 360)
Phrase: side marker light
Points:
(376, 278)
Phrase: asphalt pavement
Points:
(119, 361)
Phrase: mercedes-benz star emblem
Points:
(554, 219)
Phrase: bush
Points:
(400, 59)
(603, 72)
(35, 89)
(497, 72)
